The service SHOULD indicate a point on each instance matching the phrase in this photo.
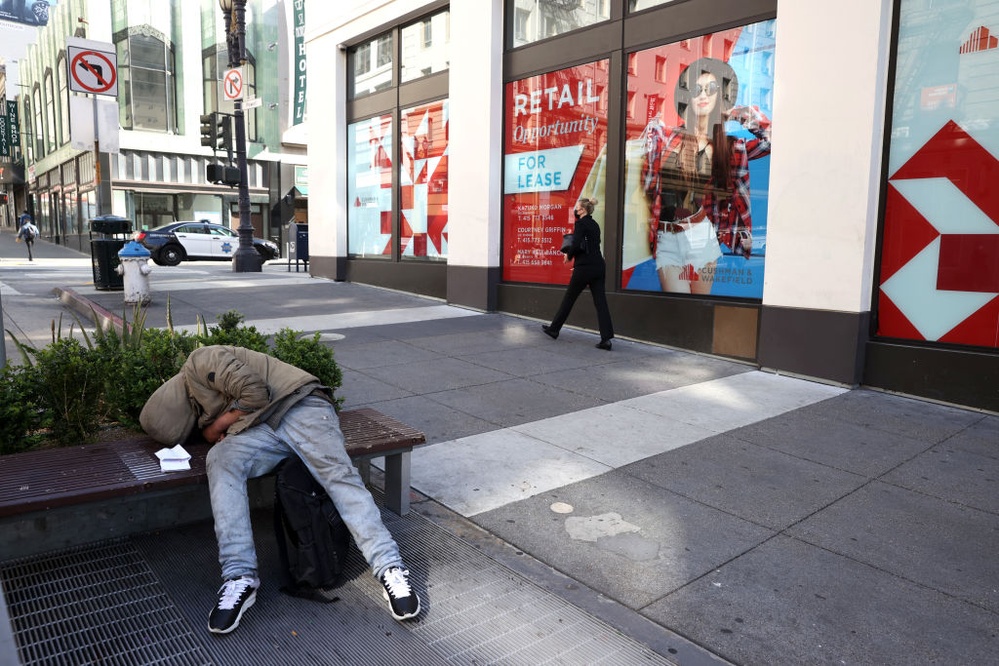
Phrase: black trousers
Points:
(583, 277)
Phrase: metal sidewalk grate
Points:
(146, 601)
(479, 612)
(100, 604)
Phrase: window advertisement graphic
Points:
(369, 187)
(697, 164)
(554, 153)
(939, 278)
(29, 12)
(423, 181)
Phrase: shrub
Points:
(310, 355)
(230, 331)
(20, 411)
(65, 393)
(70, 391)
(133, 371)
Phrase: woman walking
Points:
(588, 270)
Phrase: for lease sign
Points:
(554, 153)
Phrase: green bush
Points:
(65, 393)
(133, 372)
(231, 331)
(310, 355)
(20, 411)
(70, 391)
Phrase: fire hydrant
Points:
(134, 265)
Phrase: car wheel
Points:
(264, 254)
(171, 255)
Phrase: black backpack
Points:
(312, 539)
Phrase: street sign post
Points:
(93, 71)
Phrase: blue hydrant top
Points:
(133, 250)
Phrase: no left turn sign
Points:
(232, 84)
(92, 71)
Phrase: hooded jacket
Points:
(217, 379)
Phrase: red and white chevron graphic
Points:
(940, 251)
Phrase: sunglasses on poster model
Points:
(710, 89)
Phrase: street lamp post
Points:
(246, 259)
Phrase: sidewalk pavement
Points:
(701, 508)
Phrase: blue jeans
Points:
(311, 430)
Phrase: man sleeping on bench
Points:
(257, 411)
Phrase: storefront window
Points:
(425, 46)
(71, 211)
(534, 20)
(939, 278)
(152, 210)
(371, 64)
(639, 5)
(555, 152)
(423, 181)
(369, 187)
(697, 165)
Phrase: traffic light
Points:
(222, 175)
(209, 131)
(224, 134)
(216, 131)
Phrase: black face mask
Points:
(576, 214)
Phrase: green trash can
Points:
(112, 232)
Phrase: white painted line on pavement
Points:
(483, 472)
(731, 402)
(336, 322)
(532, 458)
(195, 284)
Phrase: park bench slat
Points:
(51, 478)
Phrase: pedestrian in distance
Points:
(27, 232)
(257, 411)
(588, 270)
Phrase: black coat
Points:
(586, 233)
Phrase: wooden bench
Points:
(51, 478)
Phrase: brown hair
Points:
(728, 83)
(588, 204)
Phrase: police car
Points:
(197, 240)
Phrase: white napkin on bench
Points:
(174, 460)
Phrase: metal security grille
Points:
(95, 605)
(146, 601)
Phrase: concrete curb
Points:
(88, 309)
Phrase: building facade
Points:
(768, 192)
(148, 163)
